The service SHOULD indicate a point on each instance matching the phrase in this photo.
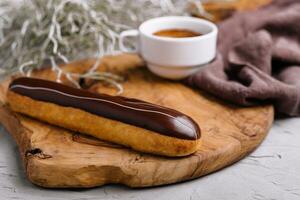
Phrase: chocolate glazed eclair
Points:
(137, 124)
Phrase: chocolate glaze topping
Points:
(139, 113)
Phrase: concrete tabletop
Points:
(271, 172)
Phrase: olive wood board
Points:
(57, 158)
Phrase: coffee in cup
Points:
(172, 47)
(177, 33)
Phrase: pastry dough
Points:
(144, 127)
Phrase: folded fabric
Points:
(258, 59)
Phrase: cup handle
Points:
(125, 34)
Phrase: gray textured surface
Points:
(271, 172)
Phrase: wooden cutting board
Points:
(220, 10)
(58, 158)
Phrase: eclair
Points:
(133, 123)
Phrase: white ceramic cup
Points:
(173, 58)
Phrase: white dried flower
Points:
(35, 31)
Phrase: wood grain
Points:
(57, 158)
(219, 10)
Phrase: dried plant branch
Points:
(38, 31)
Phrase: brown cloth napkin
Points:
(259, 58)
